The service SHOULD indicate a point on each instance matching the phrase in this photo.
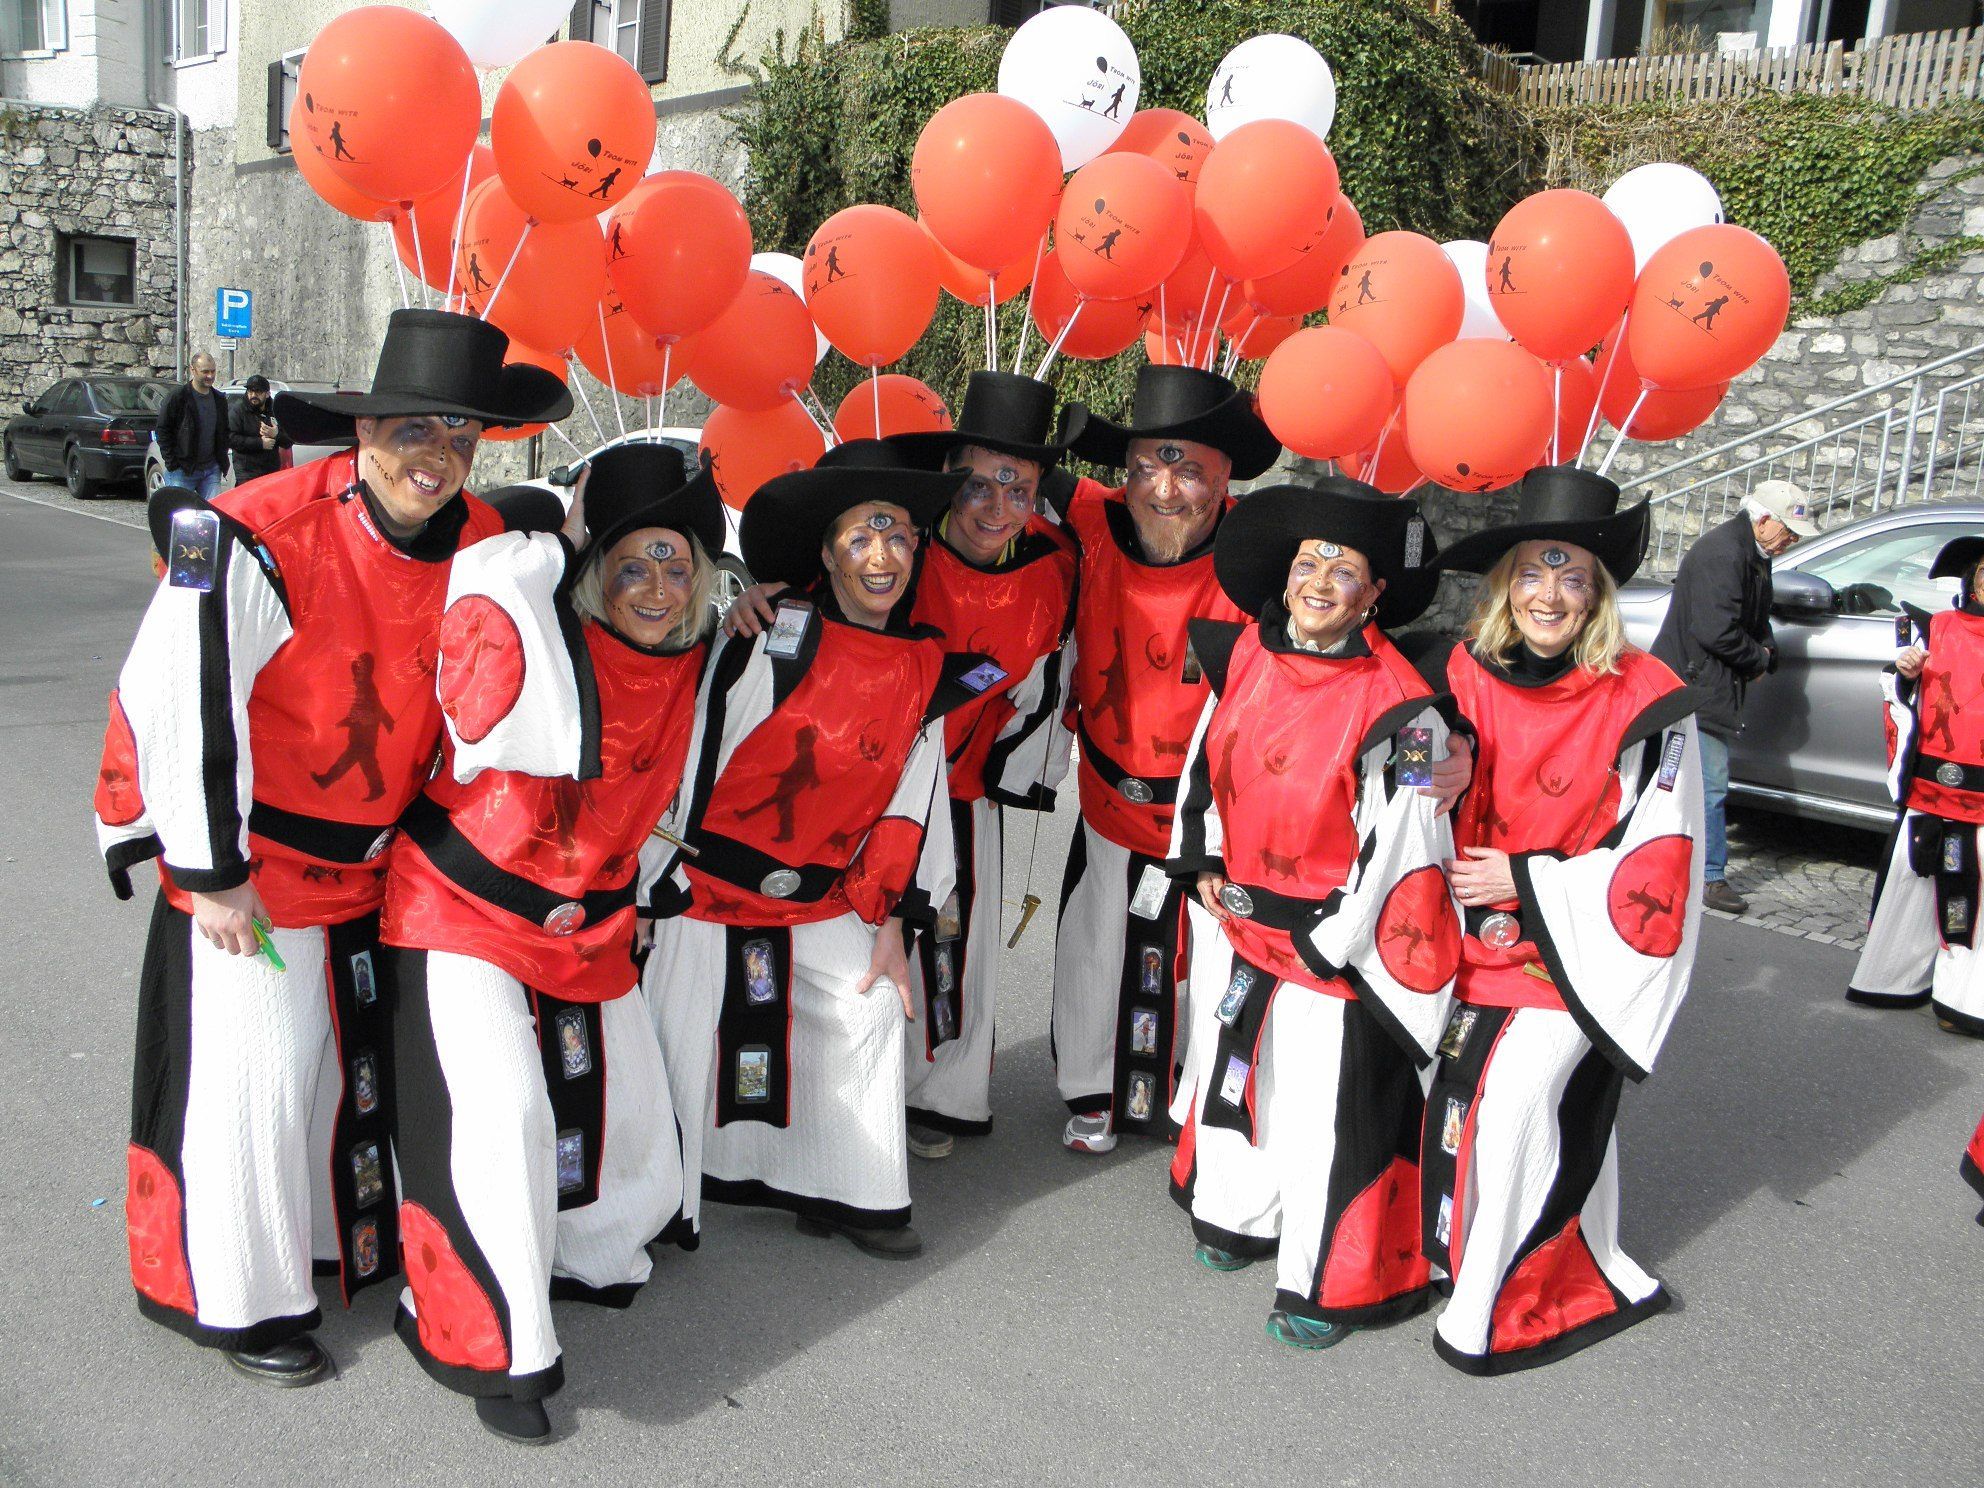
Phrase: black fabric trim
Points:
(209, 880)
(938, 1121)
(1562, 1346)
(1973, 1175)
(1459, 1077)
(219, 748)
(121, 857)
(254, 1339)
(1924, 767)
(1967, 1023)
(428, 826)
(315, 836)
(1163, 788)
(726, 666)
(1283, 912)
(1039, 796)
(1240, 1038)
(1553, 962)
(1398, 716)
(924, 945)
(1071, 875)
(743, 866)
(619, 1296)
(753, 1193)
(1376, 1315)
(571, 630)
(1888, 999)
(578, 1101)
(1212, 642)
(950, 694)
(162, 1065)
(1163, 934)
(439, 537)
(1195, 856)
(743, 1024)
(1250, 1247)
(479, 1384)
(1586, 1113)
(362, 1029)
(1660, 715)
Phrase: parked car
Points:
(89, 432)
(301, 454)
(1812, 744)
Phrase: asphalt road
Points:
(1790, 1171)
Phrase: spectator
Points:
(252, 434)
(1717, 637)
(192, 431)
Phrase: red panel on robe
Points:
(1418, 932)
(1950, 706)
(482, 671)
(1647, 897)
(1558, 1287)
(457, 1321)
(118, 801)
(1374, 1253)
(154, 1224)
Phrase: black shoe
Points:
(1718, 895)
(293, 1362)
(514, 1420)
(899, 1244)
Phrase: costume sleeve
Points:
(179, 721)
(1393, 931)
(907, 864)
(1899, 696)
(515, 680)
(1029, 759)
(1198, 838)
(1618, 925)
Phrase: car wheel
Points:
(732, 579)
(16, 471)
(80, 486)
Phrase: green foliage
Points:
(1865, 291)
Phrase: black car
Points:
(89, 431)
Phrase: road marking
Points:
(76, 511)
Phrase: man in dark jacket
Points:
(252, 435)
(192, 431)
(1717, 638)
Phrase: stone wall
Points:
(101, 171)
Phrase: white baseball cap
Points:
(1786, 502)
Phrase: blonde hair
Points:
(589, 597)
(1495, 633)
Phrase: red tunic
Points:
(1282, 753)
(568, 836)
(1950, 708)
(1546, 779)
(1131, 703)
(1014, 613)
(342, 722)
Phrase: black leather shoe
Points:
(294, 1361)
(514, 1420)
(899, 1244)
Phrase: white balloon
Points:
(1658, 203)
(498, 33)
(1271, 77)
(1478, 321)
(790, 272)
(1075, 68)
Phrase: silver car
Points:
(301, 454)
(1812, 744)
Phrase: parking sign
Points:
(234, 314)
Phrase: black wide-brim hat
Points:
(1958, 557)
(1563, 503)
(432, 362)
(651, 485)
(1258, 540)
(1185, 403)
(1006, 412)
(786, 521)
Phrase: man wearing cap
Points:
(276, 715)
(252, 436)
(1717, 639)
(811, 826)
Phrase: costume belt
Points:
(1496, 928)
(744, 867)
(1948, 773)
(316, 837)
(1282, 912)
(1138, 790)
(463, 864)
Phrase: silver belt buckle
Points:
(1237, 899)
(1136, 792)
(566, 918)
(1950, 773)
(780, 883)
(1500, 930)
(379, 844)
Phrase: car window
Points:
(69, 399)
(1876, 574)
(129, 397)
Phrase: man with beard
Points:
(242, 752)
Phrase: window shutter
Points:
(654, 40)
(276, 120)
(581, 27)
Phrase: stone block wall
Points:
(102, 172)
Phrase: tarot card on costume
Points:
(944, 1018)
(1233, 1084)
(571, 1160)
(754, 1074)
(1235, 997)
(1143, 1031)
(364, 986)
(788, 631)
(195, 548)
(1443, 1226)
(574, 1047)
(1452, 1125)
(1143, 1093)
(1152, 975)
(367, 1178)
(946, 977)
(1460, 1023)
(365, 1084)
(365, 1246)
(759, 987)
(1413, 764)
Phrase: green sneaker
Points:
(1215, 1259)
(1304, 1333)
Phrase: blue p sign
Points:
(234, 314)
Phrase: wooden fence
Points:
(1905, 72)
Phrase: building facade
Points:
(1588, 30)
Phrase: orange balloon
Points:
(1326, 393)
(556, 271)
(528, 356)
(1707, 307)
(1576, 391)
(1403, 295)
(1661, 414)
(1304, 287)
(1104, 328)
(1393, 473)
(1480, 414)
(1560, 270)
(1164, 347)
(986, 173)
(907, 407)
(871, 282)
(759, 352)
(1176, 141)
(572, 129)
(748, 449)
(963, 281)
(1124, 225)
(335, 191)
(434, 260)
(626, 355)
(1258, 335)
(390, 102)
(1266, 196)
(677, 250)
(1190, 293)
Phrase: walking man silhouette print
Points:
(802, 774)
(605, 187)
(1364, 295)
(1705, 318)
(1107, 247)
(477, 282)
(338, 150)
(361, 724)
(834, 270)
(1226, 93)
(1508, 284)
(1115, 109)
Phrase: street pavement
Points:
(1790, 1170)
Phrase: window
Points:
(68, 398)
(199, 29)
(28, 27)
(98, 271)
(283, 73)
(1885, 567)
(636, 29)
(129, 397)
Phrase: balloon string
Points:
(1591, 423)
(1026, 320)
(612, 382)
(667, 357)
(578, 385)
(825, 433)
(819, 407)
(1557, 417)
(515, 253)
(875, 391)
(455, 237)
(419, 254)
(991, 324)
(1212, 338)
(566, 437)
(1163, 323)
(1205, 301)
(649, 400)
(1378, 452)
(1413, 487)
(1620, 438)
(1055, 350)
(400, 268)
(1233, 346)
